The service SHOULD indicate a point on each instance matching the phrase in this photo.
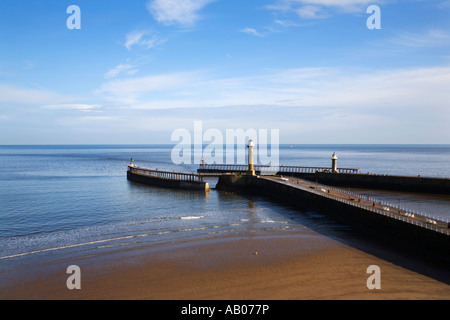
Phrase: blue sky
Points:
(138, 70)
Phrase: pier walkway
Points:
(180, 176)
(178, 180)
(365, 203)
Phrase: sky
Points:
(136, 71)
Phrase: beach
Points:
(245, 267)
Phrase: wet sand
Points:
(242, 267)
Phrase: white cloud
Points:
(128, 69)
(423, 88)
(164, 104)
(310, 12)
(251, 32)
(83, 107)
(141, 38)
(286, 23)
(96, 118)
(409, 88)
(179, 12)
(133, 38)
(401, 105)
(316, 9)
(348, 5)
(15, 94)
(431, 38)
(131, 90)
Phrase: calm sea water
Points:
(69, 200)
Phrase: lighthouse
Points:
(334, 163)
(250, 146)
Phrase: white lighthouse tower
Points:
(250, 146)
(334, 163)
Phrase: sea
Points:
(74, 200)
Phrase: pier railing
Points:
(420, 219)
(264, 169)
(180, 176)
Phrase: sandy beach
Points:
(242, 267)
